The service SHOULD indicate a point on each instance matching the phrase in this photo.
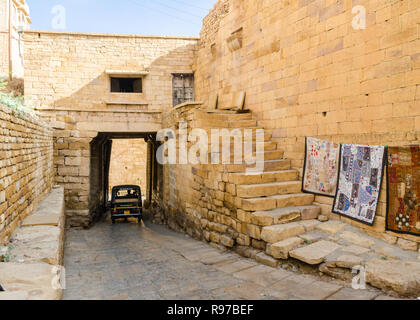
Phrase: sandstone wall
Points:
(128, 163)
(66, 80)
(26, 167)
(68, 70)
(308, 72)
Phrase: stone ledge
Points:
(35, 279)
(50, 211)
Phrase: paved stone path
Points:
(130, 261)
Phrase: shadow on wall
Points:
(95, 95)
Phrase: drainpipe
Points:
(10, 41)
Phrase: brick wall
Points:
(128, 163)
(307, 72)
(26, 167)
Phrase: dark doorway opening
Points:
(127, 85)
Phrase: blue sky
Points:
(147, 17)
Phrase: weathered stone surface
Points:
(262, 275)
(253, 231)
(214, 237)
(14, 296)
(348, 261)
(49, 212)
(267, 260)
(407, 244)
(332, 227)
(337, 273)
(309, 225)
(351, 294)
(386, 252)
(357, 239)
(323, 218)
(278, 233)
(310, 212)
(26, 163)
(356, 250)
(277, 216)
(390, 239)
(309, 238)
(293, 200)
(258, 244)
(227, 241)
(36, 279)
(38, 244)
(286, 215)
(236, 266)
(247, 252)
(402, 277)
(315, 253)
(280, 250)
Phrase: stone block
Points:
(315, 253)
(407, 244)
(277, 233)
(36, 279)
(357, 239)
(267, 260)
(399, 276)
(280, 250)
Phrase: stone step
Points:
(267, 155)
(277, 233)
(294, 200)
(282, 215)
(269, 166)
(226, 123)
(226, 112)
(280, 250)
(266, 177)
(275, 202)
(268, 189)
(208, 128)
(315, 253)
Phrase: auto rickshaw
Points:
(126, 202)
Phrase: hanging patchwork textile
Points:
(359, 182)
(321, 167)
(403, 190)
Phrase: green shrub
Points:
(3, 84)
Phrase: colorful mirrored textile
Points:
(404, 190)
(321, 167)
(359, 182)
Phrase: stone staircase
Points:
(270, 198)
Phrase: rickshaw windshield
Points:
(126, 195)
